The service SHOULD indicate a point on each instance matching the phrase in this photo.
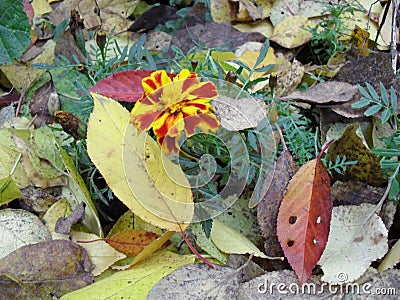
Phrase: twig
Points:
(393, 43)
(290, 8)
(278, 128)
(21, 98)
(68, 96)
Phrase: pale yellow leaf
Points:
(134, 283)
(231, 241)
(220, 11)
(264, 27)
(352, 243)
(19, 228)
(135, 170)
(291, 32)
(101, 254)
(41, 7)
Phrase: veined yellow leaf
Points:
(146, 181)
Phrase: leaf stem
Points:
(324, 149)
(195, 251)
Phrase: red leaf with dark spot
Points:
(126, 86)
(304, 218)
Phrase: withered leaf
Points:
(197, 281)
(38, 105)
(152, 17)
(64, 225)
(44, 270)
(367, 169)
(267, 210)
(325, 92)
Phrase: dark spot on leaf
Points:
(292, 219)
(290, 243)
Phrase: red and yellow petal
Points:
(169, 124)
(169, 144)
(184, 74)
(156, 80)
(205, 122)
(146, 120)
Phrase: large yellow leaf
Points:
(135, 170)
(134, 283)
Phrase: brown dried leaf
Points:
(355, 193)
(64, 225)
(267, 210)
(367, 169)
(38, 105)
(325, 92)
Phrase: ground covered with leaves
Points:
(206, 149)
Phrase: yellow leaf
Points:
(361, 19)
(220, 11)
(229, 240)
(391, 258)
(249, 58)
(101, 254)
(22, 74)
(41, 7)
(135, 170)
(290, 32)
(125, 222)
(134, 283)
(264, 27)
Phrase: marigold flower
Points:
(173, 104)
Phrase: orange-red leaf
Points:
(304, 218)
(131, 241)
(125, 86)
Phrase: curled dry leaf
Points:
(39, 104)
(304, 218)
(64, 225)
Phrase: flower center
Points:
(175, 108)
